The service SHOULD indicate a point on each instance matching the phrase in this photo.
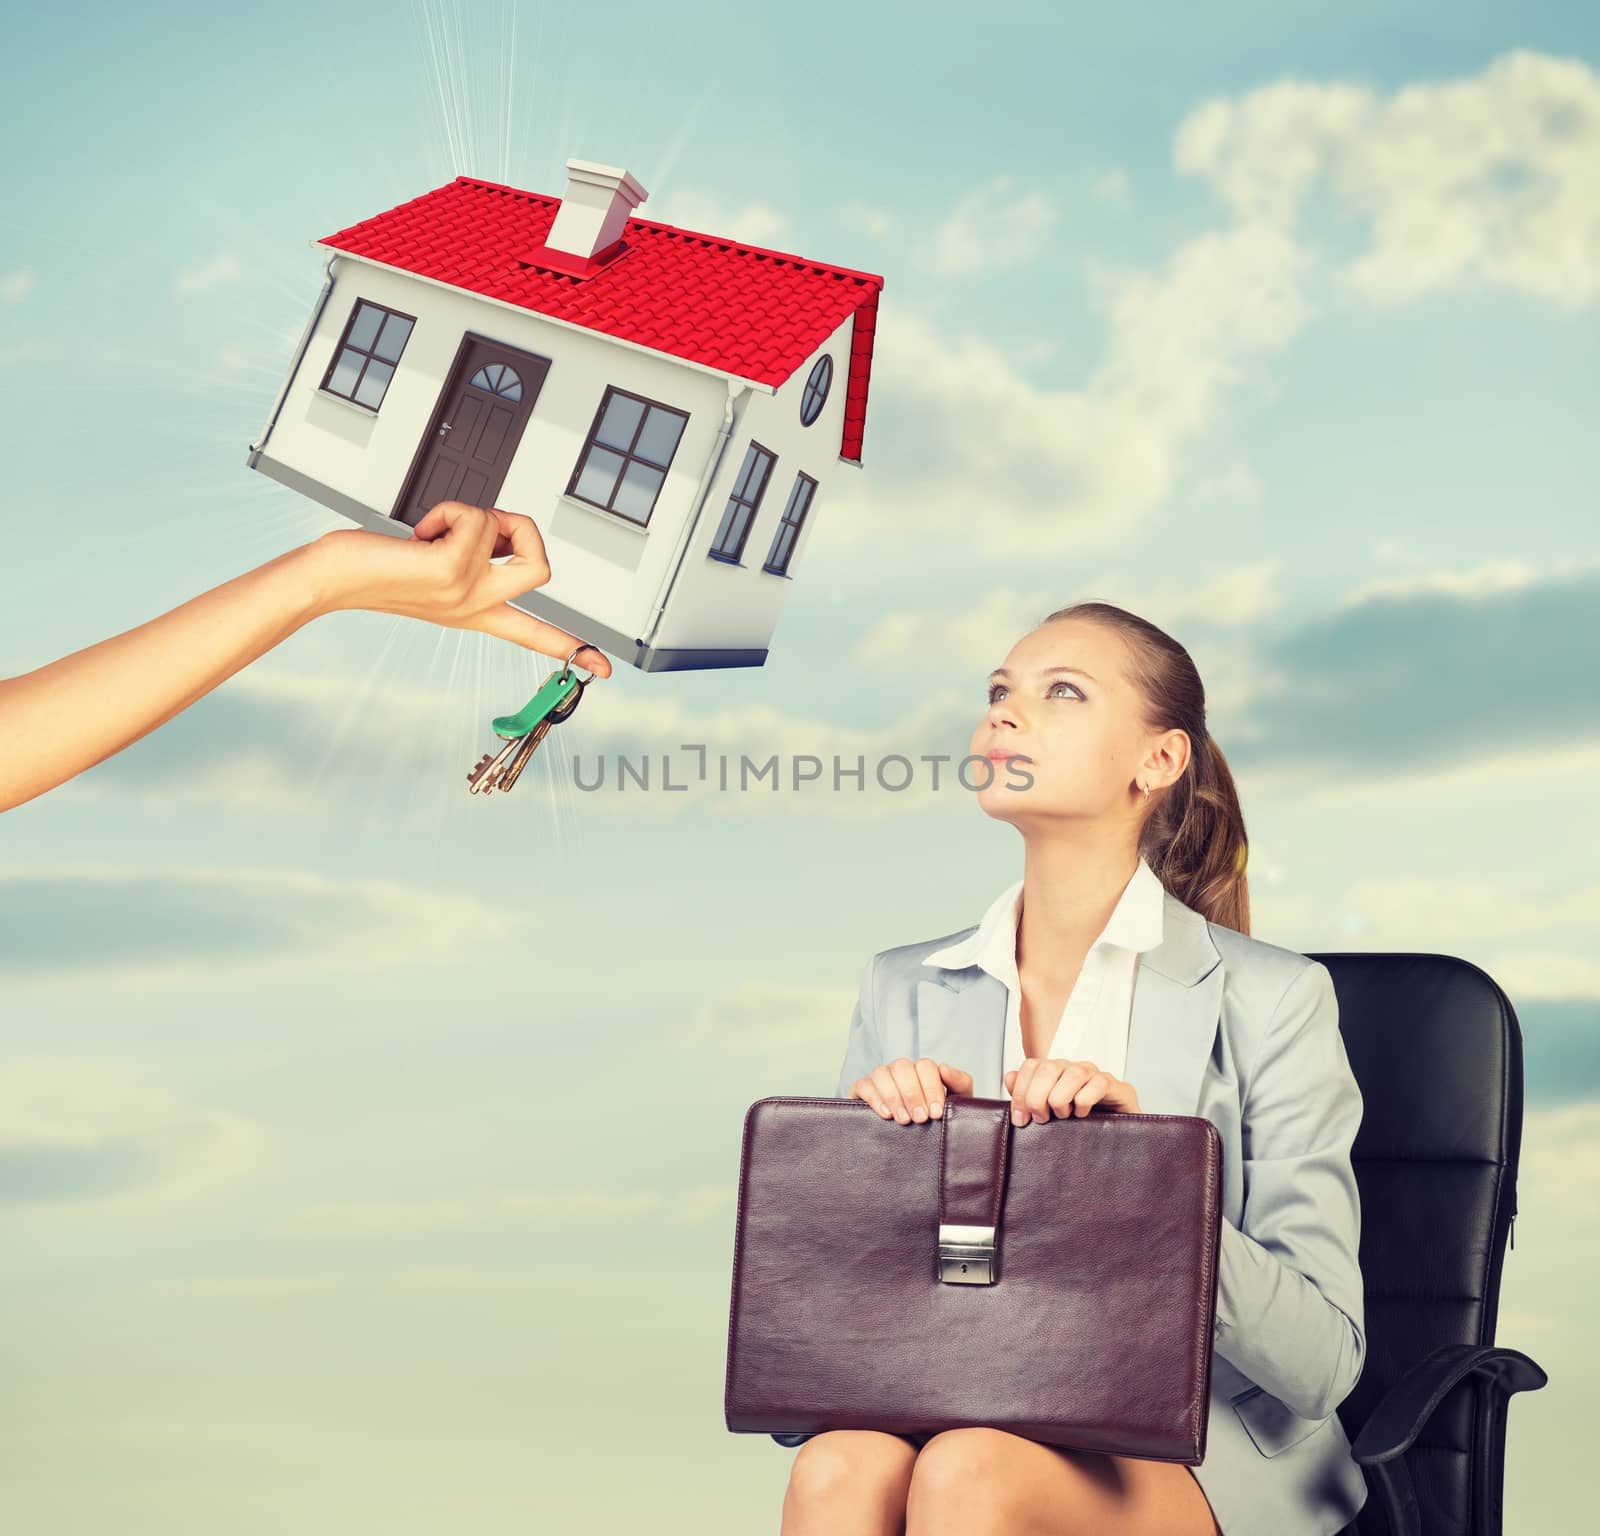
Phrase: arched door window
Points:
(498, 379)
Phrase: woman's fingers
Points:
(906, 1080)
(932, 1087)
(536, 635)
(1065, 1099)
(955, 1079)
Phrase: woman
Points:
(1117, 973)
(62, 718)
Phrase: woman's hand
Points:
(1043, 1086)
(443, 573)
(907, 1090)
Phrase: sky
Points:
(370, 1150)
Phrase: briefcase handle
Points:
(974, 1157)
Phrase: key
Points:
(557, 697)
(553, 691)
(562, 712)
(484, 776)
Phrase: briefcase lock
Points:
(966, 1254)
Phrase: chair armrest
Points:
(1393, 1426)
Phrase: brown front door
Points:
(475, 429)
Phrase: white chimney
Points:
(598, 201)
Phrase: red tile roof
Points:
(754, 313)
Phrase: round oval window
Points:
(816, 390)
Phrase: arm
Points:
(67, 716)
(62, 718)
(1289, 1293)
(862, 1050)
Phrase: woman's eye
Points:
(997, 688)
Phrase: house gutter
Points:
(737, 390)
(299, 354)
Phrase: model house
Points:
(667, 406)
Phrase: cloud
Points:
(757, 1016)
(1559, 1169)
(1467, 183)
(16, 286)
(1418, 675)
(28, 352)
(1112, 189)
(965, 441)
(868, 218)
(216, 273)
(92, 926)
(707, 213)
(974, 639)
(1486, 181)
(271, 741)
(73, 1129)
(995, 228)
(507, 1210)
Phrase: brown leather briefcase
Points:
(1058, 1281)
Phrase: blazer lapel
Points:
(1177, 1006)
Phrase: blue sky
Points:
(331, 1112)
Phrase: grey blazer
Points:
(1246, 1034)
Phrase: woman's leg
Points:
(849, 1482)
(973, 1482)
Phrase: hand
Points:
(1043, 1086)
(443, 573)
(910, 1090)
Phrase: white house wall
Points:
(715, 603)
(601, 565)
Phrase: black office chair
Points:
(1437, 1050)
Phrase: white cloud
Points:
(505, 1210)
(216, 273)
(869, 218)
(1113, 189)
(707, 213)
(964, 441)
(28, 352)
(994, 228)
(1482, 581)
(75, 1129)
(16, 286)
(1559, 1169)
(166, 927)
(939, 641)
(1485, 180)
(757, 1016)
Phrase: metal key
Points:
(486, 774)
(519, 760)
(556, 699)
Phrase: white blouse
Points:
(1094, 1023)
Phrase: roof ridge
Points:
(829, 268)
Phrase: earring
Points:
(1146, 789)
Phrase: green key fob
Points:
(550, 696)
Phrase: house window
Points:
(817, 383)
(627, 454)
(498, 380)
(364, 361)
(789, 528)
(746, 496)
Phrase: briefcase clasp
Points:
(966, 1254)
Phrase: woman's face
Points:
(1061, 698)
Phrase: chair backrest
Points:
(1437, 1051)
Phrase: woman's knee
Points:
(849, 1463)
(957, 1462)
